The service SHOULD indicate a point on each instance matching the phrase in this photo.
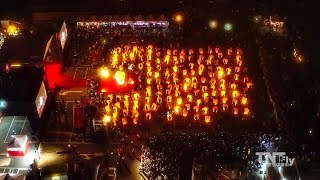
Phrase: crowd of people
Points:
(173, 154)
(179, 84)
(91, 42)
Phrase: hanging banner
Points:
(63, 34)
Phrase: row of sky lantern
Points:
(198, 84)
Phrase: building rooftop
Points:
(20, 84)
(26, 50)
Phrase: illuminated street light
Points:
(228, 26)
(178, 18)
(3, 104)
(213, 24)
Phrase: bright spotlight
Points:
(213, 24)
(228, 26)
(104, 72)
(12, 30)
(3, 104)
(106, 119)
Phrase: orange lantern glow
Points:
(224, 100)
(148, 116)
(235, 94)
(235, 111)
(177, 109)
(207, 119)
(196, 117)
(244, 100)
(246, 111)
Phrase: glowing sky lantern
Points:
(244, 100)
(148, 116)
(215, 101)
(215, 109)
(220, 74)
(124, 121)
(185, 86)
(107, 108)
(205, 110)
(131, 55)
(135, 121)
(115, 58)
(224, 107)
(246, 111)
(189, 98)
(224, 100)
(198, 102)
(207, 119)
(169, 117)
(235, 94)
(234, 102)
(185, 113)
(228, 71)
(236, 77)
(179, 101)
(205, 95)
(177, 109)
(235, 111)
(156, 75)
(196, 117)
(114, 115)
(196, 108)
(175, 68)
(223, 93)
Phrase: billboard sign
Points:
(41, 99)
(63, 34)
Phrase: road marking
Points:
(67, 92)
(225, 176)
(66, 101)
(5, 140)
(24, 122)
(70, 136)
(61, 132)
(75, 73)
(85, 76)
(61, 123)
(74, 142)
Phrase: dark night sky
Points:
(304, 13)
